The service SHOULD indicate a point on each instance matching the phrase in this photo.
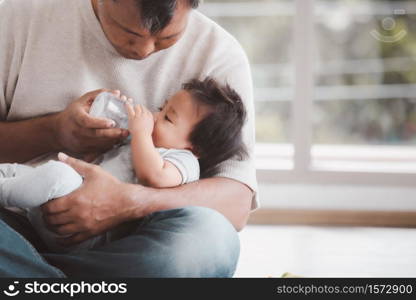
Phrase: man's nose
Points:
(146, 48)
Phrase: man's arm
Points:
(24, 140)
(21, 140)
(103, 202)
(229, 197)
(72, 130)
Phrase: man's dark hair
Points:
(157, 14)
(218, 136)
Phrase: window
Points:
(264, 29)
(335, 87)
(364, 109)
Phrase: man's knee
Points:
(186, 242)
(203, 243)
(19, 258)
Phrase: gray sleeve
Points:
(185, 162)
(10, 55)
(236, 72)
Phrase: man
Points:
(51, 52)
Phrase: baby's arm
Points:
(149, 166)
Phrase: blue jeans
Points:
(186, 242)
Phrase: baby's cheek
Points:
(156, 135)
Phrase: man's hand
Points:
(82, 135)
(140, 119)
(97, 206)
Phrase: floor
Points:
(313, 251)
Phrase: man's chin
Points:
(132, 55)
(135, 57)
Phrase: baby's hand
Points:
(140, 119)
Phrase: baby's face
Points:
(174, 123)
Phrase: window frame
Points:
(297, 164)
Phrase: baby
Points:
(196, 129)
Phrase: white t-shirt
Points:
(54, 51)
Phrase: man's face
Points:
(121, 23)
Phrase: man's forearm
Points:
(24, 140)
(229, 197)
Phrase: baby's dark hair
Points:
(218, 136)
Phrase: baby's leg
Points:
(12, 170)
(27, 187)
(8, 171)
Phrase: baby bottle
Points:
(107, 105)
